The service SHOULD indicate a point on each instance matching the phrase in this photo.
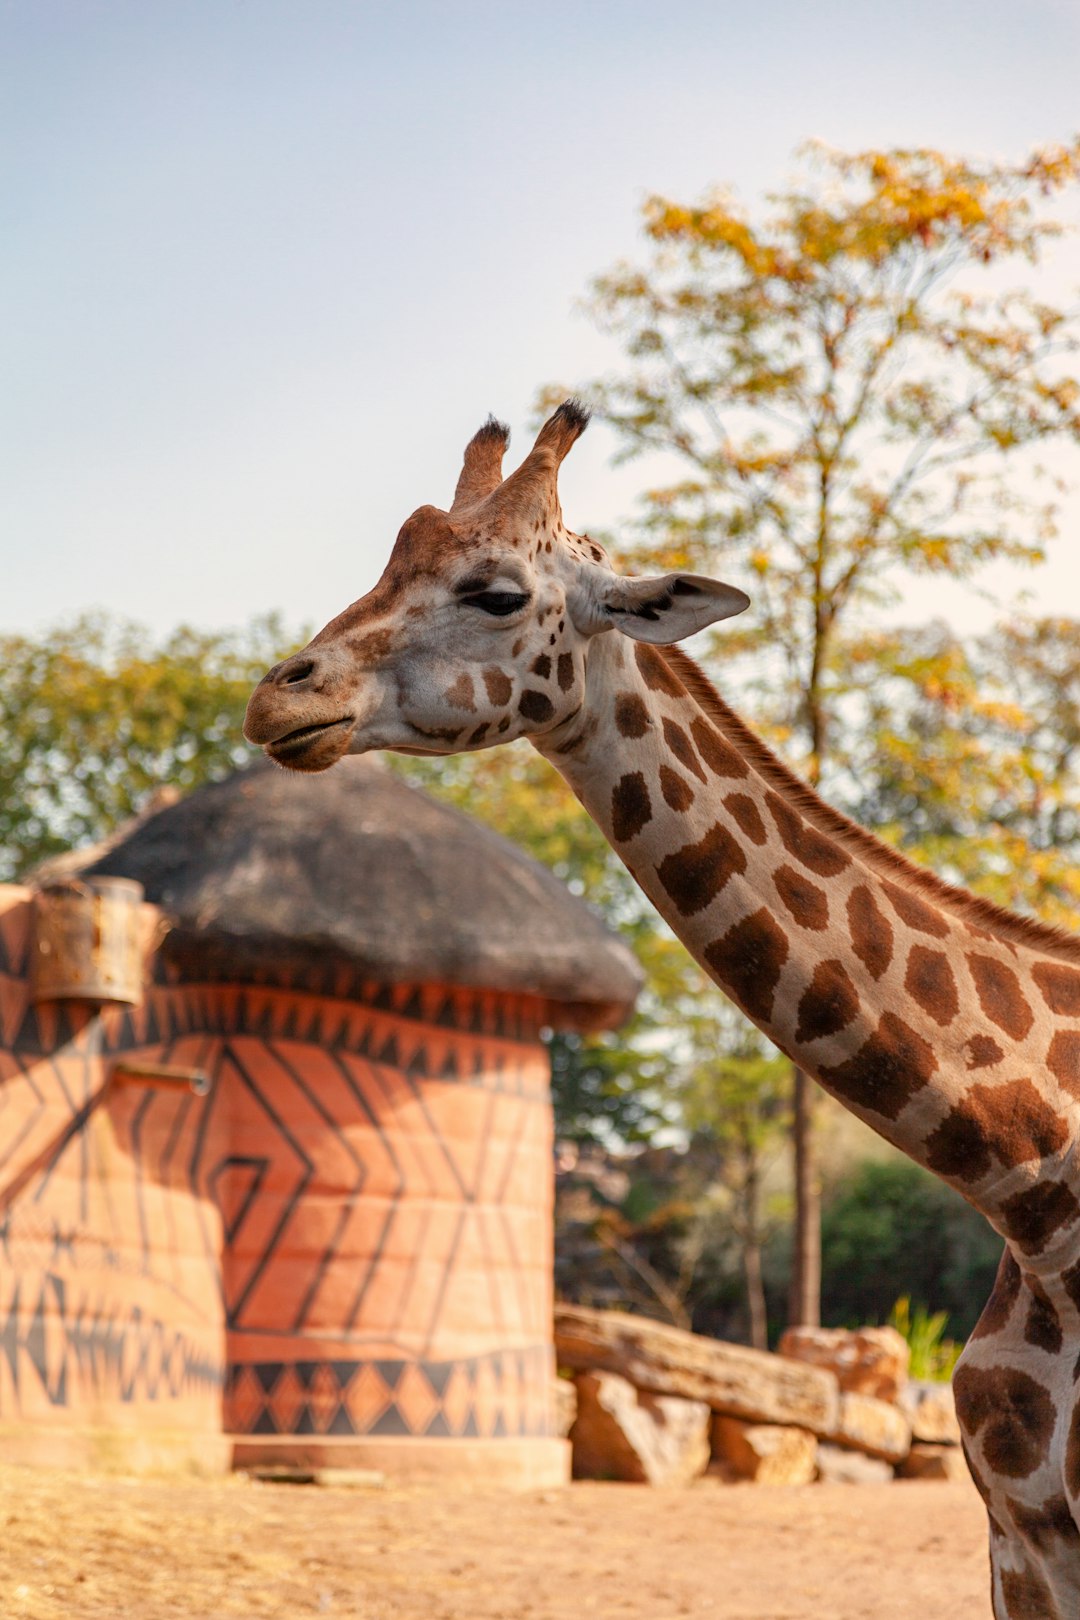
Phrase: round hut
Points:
(364, 975)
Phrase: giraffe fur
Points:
(950, 1026)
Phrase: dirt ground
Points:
(124, 1549)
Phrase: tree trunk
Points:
(755, 1293)
(755, 1288)
(805, 1302)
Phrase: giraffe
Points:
(950, 1026)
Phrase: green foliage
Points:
(968, 755)
(892, 1228)
(847, 396)
(95, 715)
(933, 1356)
(847, 390)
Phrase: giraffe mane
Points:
(880, 857)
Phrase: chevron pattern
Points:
(479, 1397)
(349, 1235)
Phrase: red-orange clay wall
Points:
(339, 1256)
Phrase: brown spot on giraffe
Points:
(748, 961)
(871, 931)
(1070, 1279)
(694, 875)
(461, 695)
(1059, 987)
(1026, 1595)
(914, 911)
(929, 980)
(1042, 1328)
(1031, 1218)
(631, 808)
(1044, 1526)
(498, 685)
(1000, 995)
(481, 732)
(682, 748)
(828, 1004)
(1013, 1119)
(809, 847)
(655, 672)
(718, 754)
(541, 667)
(565, 670)
(677, 792)
(746, 813)
(1072, 1454)
(888, 1069)
(1063, 1060)
(1011, 1412)
(631, 715)
(535, 705)
(999, 1306)
(983, 1052)
(807, 903)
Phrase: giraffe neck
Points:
(939, 1031)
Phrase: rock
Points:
(767, 1453)
(835, 1466)
(931, 1411)
(872, 1426)
(925, 1461)
(622, 1433)
(743, 1383)
(564, 1402)
(865, 1361)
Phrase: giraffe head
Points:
(479, 630)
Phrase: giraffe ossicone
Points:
(952, 1027)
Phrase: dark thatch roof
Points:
(356, 866)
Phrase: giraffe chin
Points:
(315, 748)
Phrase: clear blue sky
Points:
(267, 263)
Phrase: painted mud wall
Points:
(340, 1255)
(111, 1315)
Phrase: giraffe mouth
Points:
(305, 749)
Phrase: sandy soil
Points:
(120, 1549)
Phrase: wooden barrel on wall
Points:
(87, 941)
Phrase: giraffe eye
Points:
(499, 603)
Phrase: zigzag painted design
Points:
(480, 1397)
(357, 1214)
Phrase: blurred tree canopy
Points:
(847, 392)
(95, 715)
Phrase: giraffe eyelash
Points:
(499, 603)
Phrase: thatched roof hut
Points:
(356, 867)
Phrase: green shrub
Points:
(893, 1230)
(932, 1354)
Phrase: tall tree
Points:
(851, 396)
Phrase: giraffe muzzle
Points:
(312, 748)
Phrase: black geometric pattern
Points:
(91, 1349)
(413, 1114)
(480, 1397)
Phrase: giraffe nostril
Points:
(298, 672)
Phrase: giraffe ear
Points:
(667, 609)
